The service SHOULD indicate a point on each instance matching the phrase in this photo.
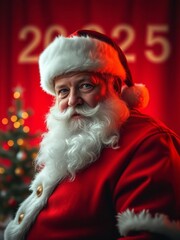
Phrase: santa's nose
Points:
(74, 99)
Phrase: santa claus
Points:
(105, 170)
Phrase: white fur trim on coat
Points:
(74, 54)
(32, 205)
(130, 221)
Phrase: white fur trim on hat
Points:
(76, 54)
(130, 221)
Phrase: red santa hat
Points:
(90, 51)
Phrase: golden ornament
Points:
(19, 171)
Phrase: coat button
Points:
(39, 190)
(21, 216)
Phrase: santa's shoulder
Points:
(143, 126)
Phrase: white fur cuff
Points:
(130, 221)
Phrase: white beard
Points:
(71, 144)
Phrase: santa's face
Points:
(87, 113)
(79, 89)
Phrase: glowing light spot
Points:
(14, 118)
(17, 95)
(26, 129)
(5, 121)
(20, 141)
(19, 171)
(17, 124)
(10, 143)
(21, 121)
(2, 170)
(25, 115)
(34, 155)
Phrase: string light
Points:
(20, 141)
(34, 155)
(19, 171)
(26, 129)
(25, 115)
(21, 121)
(17, 94)
(10, 143)
(2, 170)
(14, 118)
(11, 109)
(17, 124)
(4, 121)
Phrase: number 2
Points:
(26, 56)
(128, 41)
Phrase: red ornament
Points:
(12, 202)
(5, 146)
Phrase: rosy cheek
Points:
(62, 105)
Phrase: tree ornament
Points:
(5, 146)
(19, 171)
(3, 193)
(12, 202)
(16, 151)
(2, 170)
(21, 155)
(20, 141)
(10, 143)
(34, 155)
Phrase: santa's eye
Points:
(86, 87)
(62, 92)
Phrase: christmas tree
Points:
(16, 157)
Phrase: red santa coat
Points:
(119, 194)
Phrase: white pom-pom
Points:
(136, 96)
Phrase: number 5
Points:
(152, 40)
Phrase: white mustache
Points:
(84, 110)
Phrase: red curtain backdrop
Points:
(147, 31)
